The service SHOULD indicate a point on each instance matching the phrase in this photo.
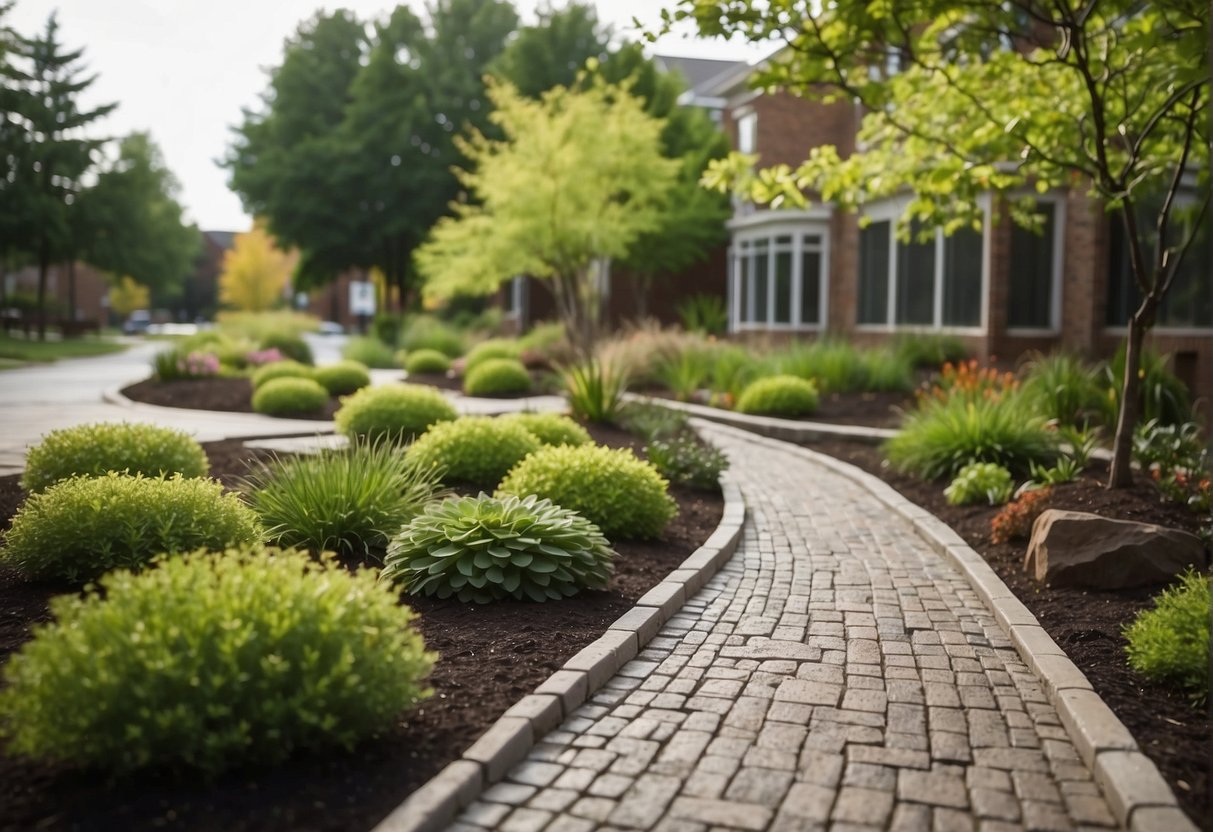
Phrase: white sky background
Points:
(183, 69)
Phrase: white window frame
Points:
(891, 210)
(1057, 200)
(517, 290)
(746, 233)
(747, 131)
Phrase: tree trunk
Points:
(1121, 472)
(43, 267)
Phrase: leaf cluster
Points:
(94, 449)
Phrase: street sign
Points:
(362, 298)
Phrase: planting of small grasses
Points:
(595, 391)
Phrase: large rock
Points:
(1074, 548)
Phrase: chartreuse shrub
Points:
(550, 428)
(370, 352)
(350, 500)
(280, 369)
(494, 348)
(1170, 643)
(980, 482)
(286, 396)
(476, 450)
(397, 411)
(213, 660)
(779, 396)
(622, 495)
(426, 361)
(290, 345)
(497, 377)
(485, 548)
(92, 450)
(342, 378)
(84, 527)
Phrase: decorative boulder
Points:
(1074, 548)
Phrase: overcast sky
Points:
(183, 69)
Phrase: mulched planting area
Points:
(491, 656)
(1086, 623)
(233, 395)
(871, 410)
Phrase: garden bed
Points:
(870, 410)
(1086, 623)
(491, 656)
(233, 395)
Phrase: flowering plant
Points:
(198, 365)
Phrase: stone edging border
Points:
(437, 803)
(1135, 790)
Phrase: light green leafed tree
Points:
(577, 177)
(967, 98)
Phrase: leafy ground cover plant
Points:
(1170, 643)
(350, 500)
(624, 496)
(781, 395)
(684, 460)
(370, 352)
(483, 549)
(342, 377)
(595, 391)
(397, 411)
(84, 527)
(426, 361)
(213, 660)
(496, 377)
(286, 396)
(1177, 459)
(92, 450)
(980, 482)
(550, 428)
(1014, 521)
(280, 369)
(477, 450)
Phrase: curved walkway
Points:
(837, 672)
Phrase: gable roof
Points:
(698, 72)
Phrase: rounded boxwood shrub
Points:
(342, 378)
(485, 548)
(489, 350)
(477, 450)
(497, 377)
(779, 396)
(86, 526)
(92, 450)
(622, 495)
(285, 396)
(426, 361)
(551, 428)
(1170, 643)
(292, 346)
(398, 411)
(280, 369)
(212, 660)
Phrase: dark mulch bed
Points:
(234, 395)
(491, 656)
(871, 410)
(1087, 624)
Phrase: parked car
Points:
(137, 322)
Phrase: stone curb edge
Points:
(437, 803)
(1136, 792)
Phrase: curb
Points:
(436, 804)
(1136, 792)
(790, 430)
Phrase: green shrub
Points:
(595, 391)
(930, 351)
(398, 411)
(424, 332)
(944, 435)
(484, 549)
(350, 500)
(288, 396)
(622, 495)
(835, 366)
(342, 377)
(214, 660)
(886, 371)
(779, 396)
(732, 369)
(497, 377)
(543, 338)
(551, 428)
(290, 345)
(1170, 643)
(683, 459)
(386, 327)
(370, 352)
(280, 369)
(704, 313)
(178, 364)
(83, 527)
(653, 421)
(489, 350)
(685, 371)
(1062, 388)
(477, 450)
(980, 482)
(92, 450)
(426, 361)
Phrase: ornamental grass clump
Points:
(342, 378)
(83, 527)
(550, 428)
(624, 496)
(214, 660)
(497, 377)
(92, 450)
(398, 411)
(483, 549)
(279, 369)
(476, 450)
(1062, 388)
(980, 482)
(1170, 643)
(595, 391)
(426, 361)
(290, 396)
(779, 396)
(350, 500)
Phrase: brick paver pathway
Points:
(836, 674)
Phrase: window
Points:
(1030, 273)
(512, 296)
(937, 282)
(777, 280)
(747, 133)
